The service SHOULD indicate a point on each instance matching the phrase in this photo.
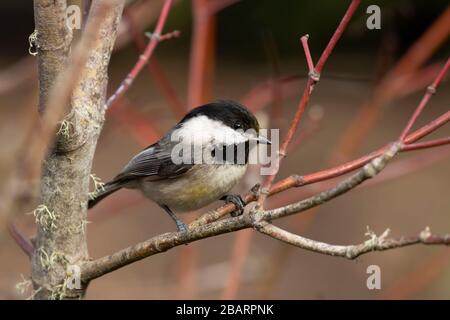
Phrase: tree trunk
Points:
(61, 238)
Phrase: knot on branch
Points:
(374, 243)
(298, 180)
(425, 235)
(263, 191)
(431, 89)
(376, 165)
(314, 75)
(153, 35)
(257, 221)
(161, 37)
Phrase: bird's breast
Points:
(197, 188)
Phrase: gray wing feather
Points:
(155, 162)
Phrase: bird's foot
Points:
(181, 226)
(237, 201)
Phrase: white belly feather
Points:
(195, 189)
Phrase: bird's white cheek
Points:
(202, 130)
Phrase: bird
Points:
(168, 172)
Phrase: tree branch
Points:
(351, 252)
(369, 171)
(295, 180)
(161, 243)
(431, 90)
(314, 77)
(143, 59)
(427, 144)
(164, 242)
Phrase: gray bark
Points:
(61, 238)
(53, 42)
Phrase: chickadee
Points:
(212, 129)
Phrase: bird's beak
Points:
(263, 140)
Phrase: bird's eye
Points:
(237, 126)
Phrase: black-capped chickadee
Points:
(197, 162)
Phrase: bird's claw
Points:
(237, 201)
(181, 226)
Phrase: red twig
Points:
(261, 95)
(304, 41)
(240, 251)
(393, 84)
(166, 88)
(430, 91)
(427, 144)
(313, 79)
(274, 60)
(337, 35)
(21, 240)
(311, 126)
(186, 269)
(201, 67)
(428, 128)
(157, 72)
(425, 46)
(419, 79)
(201, 70)
(352, 165)
(408, 165)
(314, 75)
(140, 126)
(297, 181)
(143, 59)
(164, 37)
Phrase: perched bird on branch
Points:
(197, 162)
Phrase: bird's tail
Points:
(103, 192)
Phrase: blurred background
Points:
(249, 51)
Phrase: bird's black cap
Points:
(230, 113)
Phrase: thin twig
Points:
(351, 252)
(431, 90)
(394, 83)
(202, 58)
(428, 128)
(427, 144)
(143, 59)
(21, 240)
(314, 77)
(295, 180)
(309, 61)
(368, 171)
(143, 13)
(156, 71)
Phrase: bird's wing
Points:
(153, 162)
